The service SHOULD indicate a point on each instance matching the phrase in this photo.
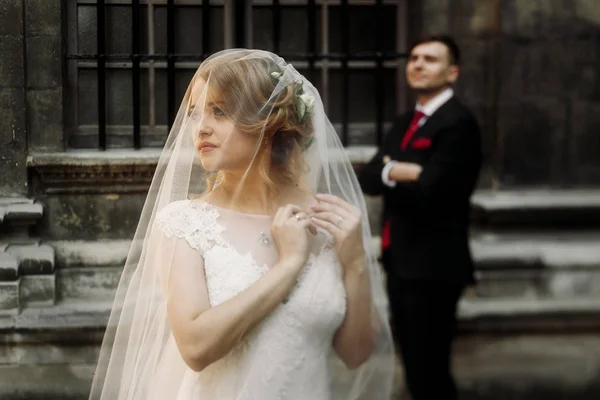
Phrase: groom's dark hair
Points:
(446, 40)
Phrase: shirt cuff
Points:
(385, 174)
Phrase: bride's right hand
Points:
(290, 233)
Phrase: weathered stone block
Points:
(584, 143)
(38, 291)
(11, 62)
(9, 297)
(558, 21)
(520, 18)
(98, 284)
(501, 288)
(20, 210)
(477, 17)
(33, 259)
(13, 180)
(588, 10)
(11, 15)
(375, 211)
(95, 253)
(9, 267)
(45, 119)
(533, 135)
(44, 68)
(436, 15)
(547, 69)
(43, 17)
(76, 217)
(50, 347)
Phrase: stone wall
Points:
(30, 87)
(530, 72)
(13, 140)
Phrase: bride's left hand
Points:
(343, 222)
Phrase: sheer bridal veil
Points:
(137, 343)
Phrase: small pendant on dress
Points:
(264, 239)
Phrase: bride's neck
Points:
(246, 193)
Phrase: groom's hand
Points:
(405, 172)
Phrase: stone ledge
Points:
(121, 171)
(568, 250)
(474, 315)
(46, 382)
(529, 315)
(558, 207)
(81, 253)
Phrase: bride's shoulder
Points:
(175, 207)
(187, 218)
(180, 211)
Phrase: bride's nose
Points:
(205, 128)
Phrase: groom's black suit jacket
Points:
(429, 218)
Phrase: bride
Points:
(250, 275)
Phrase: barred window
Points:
(130, 61)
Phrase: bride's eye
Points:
(190, 111)
(218, 112)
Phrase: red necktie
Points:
(412, 128)
(410, 132)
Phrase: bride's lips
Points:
(206, 146)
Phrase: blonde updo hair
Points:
(246, 86)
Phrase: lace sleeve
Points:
(178, 220)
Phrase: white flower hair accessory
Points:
(304, 101)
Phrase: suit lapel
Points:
(437, 120)
(402, 125)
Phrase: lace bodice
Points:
(286, 355)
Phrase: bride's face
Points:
(220, 144)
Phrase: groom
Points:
(426, 171)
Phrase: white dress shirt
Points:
(428, 109)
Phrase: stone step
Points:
(37, 291)
(67, 314)
(537, 207)
(474, 314)
(516, 367)
(32, 291)
(88, 283)
(510, 265)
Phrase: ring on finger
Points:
(299, 216)
(339, 221)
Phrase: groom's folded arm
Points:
(369, 176)
(450, 171)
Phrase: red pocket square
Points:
(421, 143)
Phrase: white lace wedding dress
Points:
(286, 356)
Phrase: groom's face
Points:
(429, 68)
